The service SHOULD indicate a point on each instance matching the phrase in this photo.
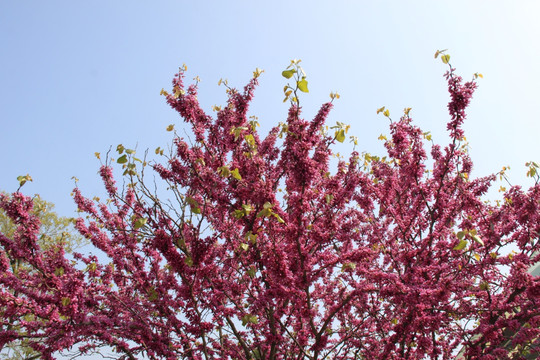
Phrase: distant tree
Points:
(266, 249)
(54, 231)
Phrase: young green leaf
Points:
(193, 204)
(478, 240)
(288, 73)
(302, 85)
(59, 271)
(348, 266)
(236, 174)
(264, 213)
(445, 58)
(247, 208)
(140, 222)
(250, 319)
(461, 245)
(340, 135)
(22, 179)
(224, 171)
(239, 213)
(250, 140)
(279, 219)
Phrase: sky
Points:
(81, 77)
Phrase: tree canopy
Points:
(261, 248)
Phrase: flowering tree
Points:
(54, 230)
(262, 250)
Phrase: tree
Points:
(54, 230)
(260, 249)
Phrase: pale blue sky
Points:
(77, 77)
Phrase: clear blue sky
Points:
(77, 77)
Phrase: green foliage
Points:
(294, 69)
(55, 230)
(23, 179)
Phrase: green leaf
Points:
(251, 237)
(139, 223)
(340, 135)
(445, 58)
(250, 319)
(478, 240)
(250, 140)
(348, 266)
(224, 171)
(302, 85)
(247, 208)
(22, 179)
(288, 73)
(238, 214)
(120, 148)
(193, 204)
(264, 213)
(66, 301)
(237, 131)
(122, 159)
(461, 245)
(188, 261)
(244, 247)
(279, 219)
(236, 174)
(461, 235)
(59, 271)
(267, 210)
(130, 151)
